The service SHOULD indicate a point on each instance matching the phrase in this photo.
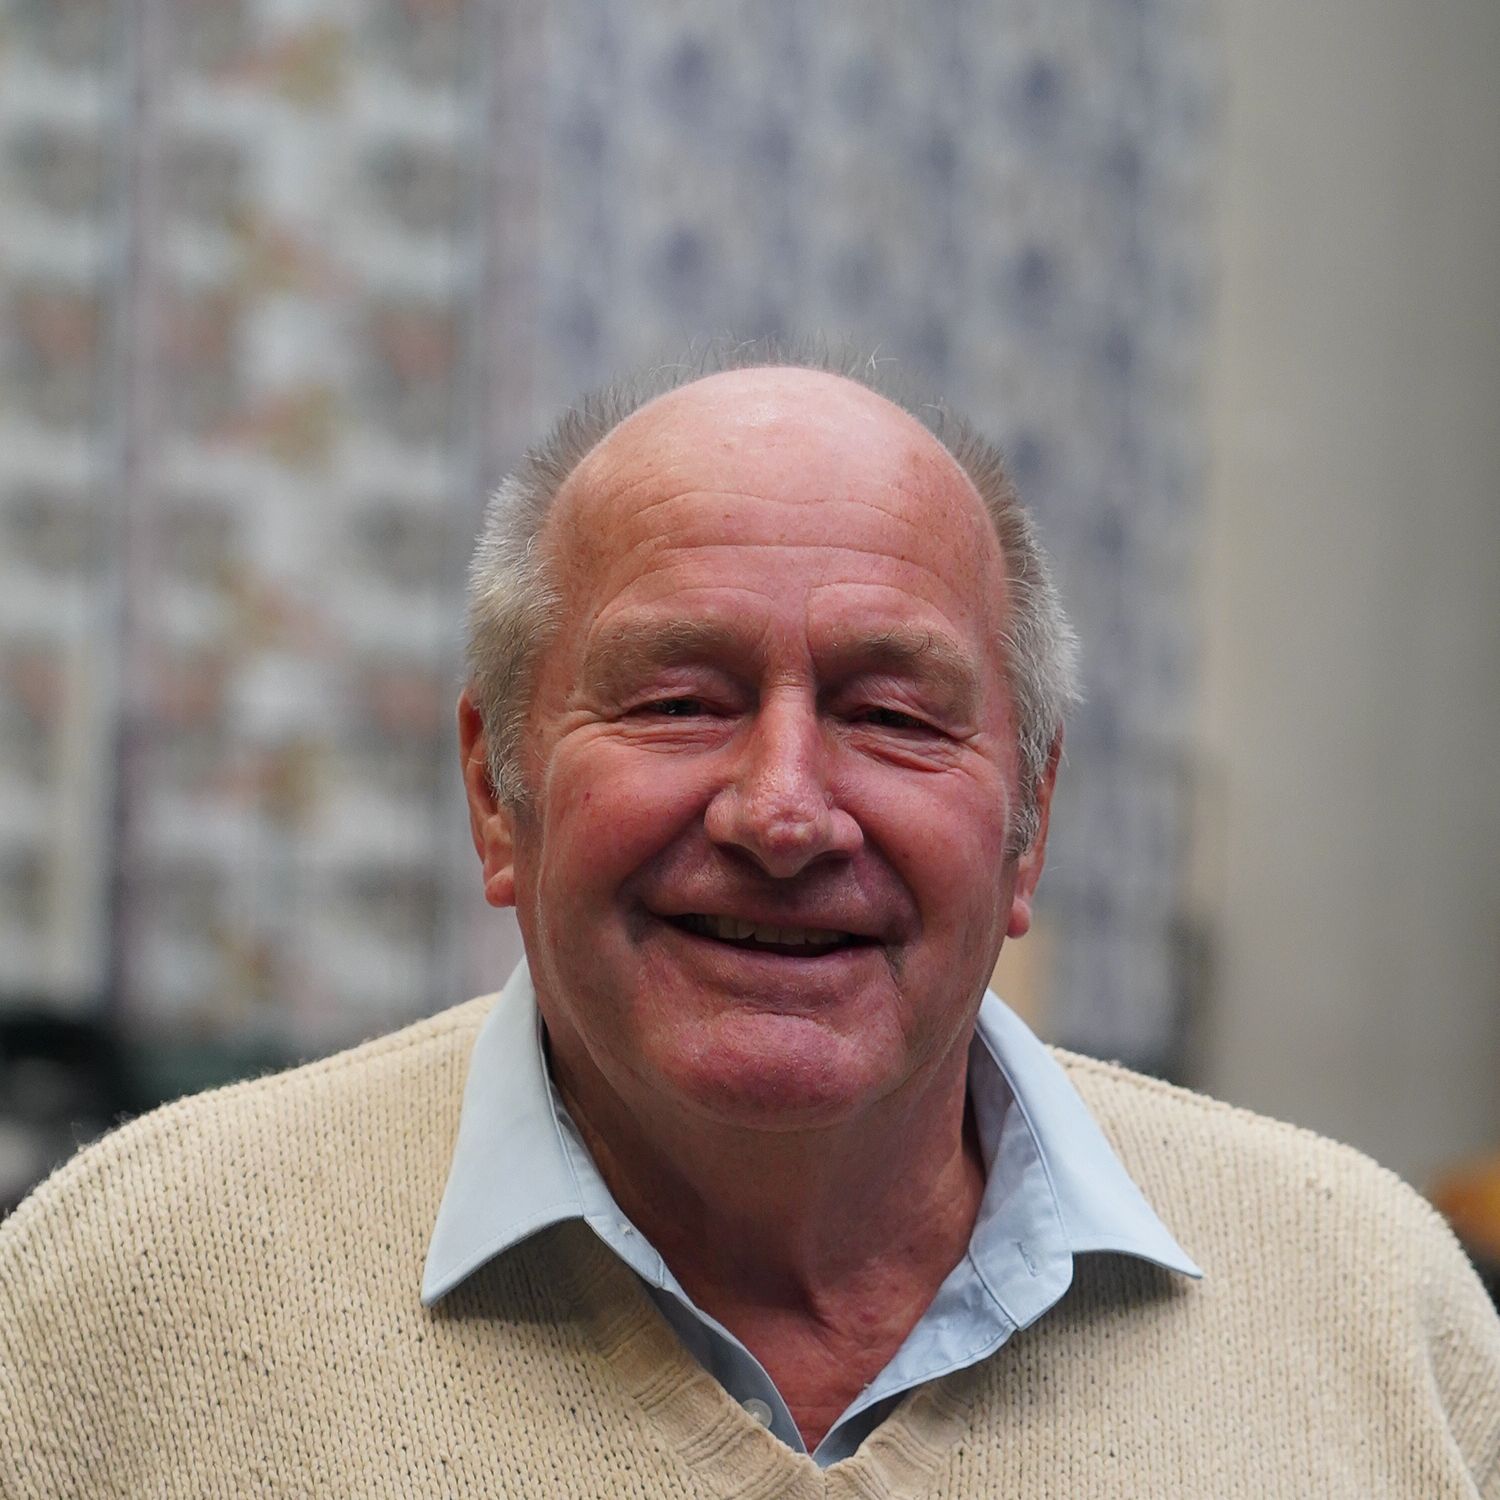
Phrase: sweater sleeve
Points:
(91, 1306)
(1463, 1340)
(68, 1337)
(40, 1360)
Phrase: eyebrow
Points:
(637, 647)
(909, 650)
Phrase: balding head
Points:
(819, 421)
(811, 423)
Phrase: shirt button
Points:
(758, 1409)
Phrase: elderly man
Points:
(743, 1185)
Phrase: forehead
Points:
(776, 457)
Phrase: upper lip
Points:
(825, 921)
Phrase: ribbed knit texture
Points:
(221, 1299)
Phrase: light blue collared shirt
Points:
(1053, 1189)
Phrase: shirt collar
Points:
(512, 1175)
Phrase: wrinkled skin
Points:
(777, 696)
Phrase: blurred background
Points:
(286, 285)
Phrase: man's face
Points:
(762, 876)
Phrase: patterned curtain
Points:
(288, 283)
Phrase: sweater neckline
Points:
(728, 1451)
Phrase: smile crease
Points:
(760, 935)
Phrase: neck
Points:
(819, 1250)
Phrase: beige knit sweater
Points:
(221, 1300)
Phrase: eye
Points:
(674, 708)
(892, 718)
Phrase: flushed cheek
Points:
(923, 822)
(607, 815)
(949, 852)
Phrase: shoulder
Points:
(200, 1257)
(1260, 1200)
(397, 1076)
(1326, 1252)
(268, 1144)
(1188, 1147)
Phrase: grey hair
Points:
(514, 608)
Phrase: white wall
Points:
(1352, 575)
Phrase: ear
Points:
(1029, 863)
(490, 821)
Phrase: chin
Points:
(778, 1074)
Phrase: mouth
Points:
(759, 937)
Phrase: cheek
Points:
(945, 838)
(945, 832)
(606, 814)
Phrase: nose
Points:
(778, 805)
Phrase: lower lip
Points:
(768, 963)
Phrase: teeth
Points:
(732, 929)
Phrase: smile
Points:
(799, 941)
